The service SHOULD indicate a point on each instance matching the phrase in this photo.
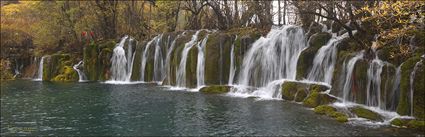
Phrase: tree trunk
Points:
(279, 12)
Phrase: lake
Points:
(93, 108)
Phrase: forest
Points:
(318, 53)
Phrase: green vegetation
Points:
(332, 112)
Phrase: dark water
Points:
(42, 108)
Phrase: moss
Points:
(419, 93)
(312, 100)
(398, 122)
(288, 90)
(416, 124)
(365, 113)
(332, 112)
(301, 94)
(318, 88)
(324, 109)
(215, 89)
(406, 69)
(342, 119)
(315, 99)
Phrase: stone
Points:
(215, 89)
(366, 113)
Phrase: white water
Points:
(158, 71)
(168, 57)
(200, 66)
(181, 72)
(324, 60)
(272, 57)
(348, 76)
(40, 70)
(232, 63)
(373, 91)
(145, 56)
(81, 76)
(395, 91)
(130, 56)
(119, 62)
(412, 78)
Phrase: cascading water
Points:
(119, 62)
(158, 73)
(181, 72)
(81, 76)
(40, 69)
(145, 56)
(232, 64)
(130, 56)
(200, 67)
(412, 78)
(168, 57)
(272, 57)
(348, 76)
(324, 60)
(373, 92)
(395, 91)
(269, 60)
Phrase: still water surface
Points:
(44, 108)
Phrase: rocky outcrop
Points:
(57, 67)
(97, 60)
(311, 95)
(366, 113)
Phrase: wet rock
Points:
(332, 112)
(215, 89)
(316, 98)
(307, 56)
(365, 113)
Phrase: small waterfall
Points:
(119, 62)
(272, 57)
(130, 56)
(348, 76)
(232, 63)
(40, 70)
(412, 78)
(324, 60)
(168, 57)
(373, 92)
(81, 76)
(200, 66)
(158, 73)
(181, 72)
(395, 91)
(145, 56)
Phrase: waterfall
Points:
(324, 60)
(119, 62)
(348, 76)
(232, 63)
(40, 70)
(272, 57)
(373, 91)
(145, 56)
(168, 57)
(200, 66)
(130, 56)
(395, 91)
(81, 76)
(412, 78)
(181, 72)
(158, 62)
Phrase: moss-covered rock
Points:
(293, 90)
(315, 99)
(409, 123)
(67, 74)
(306, 57)
(416, 124)
(366, 113)
(403, 107)
(301, 94)
(215, 89)
(97, 57)
(332, 112)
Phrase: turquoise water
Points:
(44, 108)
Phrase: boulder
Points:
(332, 112)
(316, 98)
(215, 89)
(366, 113)
(298, 91)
